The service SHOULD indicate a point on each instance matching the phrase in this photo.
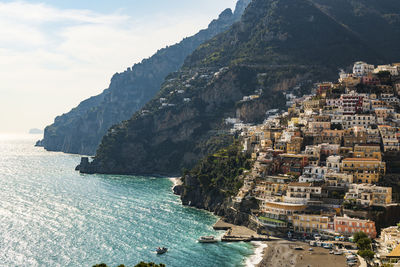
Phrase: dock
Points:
(235, 233)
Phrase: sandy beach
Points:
(282, 254)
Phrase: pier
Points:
(235, 233)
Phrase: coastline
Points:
(176, 181)
(260, 247)
(259, 252)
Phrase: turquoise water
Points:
(51, 215)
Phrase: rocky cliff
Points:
(276, 44)
(81, 130)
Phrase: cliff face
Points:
(81, 130)
(276, 44)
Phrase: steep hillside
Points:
(276, 45)
(81, 130)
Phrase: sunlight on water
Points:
(51, 215)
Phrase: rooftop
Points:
(361, 159)
(300, 184)
(395, 253)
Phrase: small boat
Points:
(161, 250)
(207, 239)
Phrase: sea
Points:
(51, 215)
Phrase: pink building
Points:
(370, 80)
(349, 226)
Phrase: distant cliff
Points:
(81, 130)
(276, 44)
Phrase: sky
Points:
(56, 53)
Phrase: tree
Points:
(364, 243)
(359, 235)
(367, 254)
(362, 240)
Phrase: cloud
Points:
(51, 59)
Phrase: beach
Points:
(281, 253)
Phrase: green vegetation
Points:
(367, 254)
(364, 245)
(277, 45)
(221, 170)
(82, 129)
(362, 240)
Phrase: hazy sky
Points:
(56, 53)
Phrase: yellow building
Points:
(369, 195)
(266, 143)
(366, 177)
(364, 165)
(305, 223)
(282, 210)
(265, 189)
(294, 146)
(350, 81)
(336, 179)
(367, 151)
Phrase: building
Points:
(313, 174)
(351, 103)
(305, 223)
(291, 163)
(393, 257)
(367, 151)
(349, 80)
(268, 190)
(281, 210)
(334, 179)
(330, 137)
(389, 240)
(392, 69)
(333, 163)
(349, 226)
(389, 138)
(373, 136)
(302, 192)
(369, 195)
(358, 120)
(361, 69)
(294, 146)
(354, 136)
(364, 166)
(370, 80)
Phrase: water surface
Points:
(51, 215)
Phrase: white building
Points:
(392, 69)
(333, 163)
(361, 68)
(301, 193)
(359, 120)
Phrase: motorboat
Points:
(161, 250)
(207, 239)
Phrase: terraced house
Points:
(327, 152)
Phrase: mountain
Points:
(277, 44)
(81, 130)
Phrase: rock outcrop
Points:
(81, 130)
